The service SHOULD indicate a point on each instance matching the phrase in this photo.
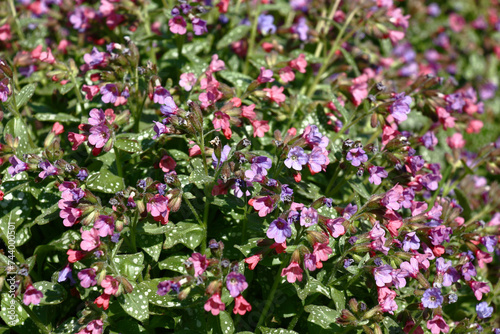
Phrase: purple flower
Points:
(223, 156)
(238, 184)
(87, 277)
(328, 202)
(430, 181)
(398, 278)
(66, 274)
(348, 262)
(286, 193)
(4, 91)
(487, 91)
(415, 163)
(301, 28)
(429, 140)
(489, 242)
(265, 24)
(468, 270)
(433, 9)
(349, 211)
(27, 71)
(94, 58)
(279, 230)
(356, 156)
(115, 237)
(302, 5)
(199, 26)
(411, 241)
(47, 169)
(313, 137)
(164, 287)
(447, 271)
(161, 95)
(99, 136)
(483, 310)
(82, 174)
(440, 234)
(382, 275)
(317, 159)
(296, 158)
(109, 93)
(455, 101)
(400, 107)
(159, 129)
(310, 261)
(261, 164)
(17, 167)
(377, 174)
(432, 298)
(308, 217)
(236, 283)
(79, 18)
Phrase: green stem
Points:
(193, 210)
(251, 41)
(133, 225)
(76, 89)
(34, 317)
(326, 25)
(119, 166)
(484, 211)
(138, 113)
(16, 20)
(333, 178)
(334, 49)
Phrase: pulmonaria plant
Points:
(347, 167)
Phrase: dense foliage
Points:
(266, 166)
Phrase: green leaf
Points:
(19, 313)
(17, 128)
(15, 209)
(247, 248)
(174, 263)
(350, 60)
(128, 145)
(64, 89)
(198, 175)
(464, 203)
(343, 111)
(59, 117)
(136, 303)
(266, 330)
(359, 188)
(234, 35)
(226, 323)
(239, 80)
(104, 181)
(151, 244)
(188, 234)
(392, 326)
(53, 293)
(322, 315)
(48, 215)
(338, 298)
(130, 265)
(69, 326)
(148, 228)
(312, 286)
(25, 95)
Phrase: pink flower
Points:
(102, 301)
(479, 288)
(247, 111)
(214, 304)
(32, 296)
(216, 64)
(90, 240)
(241, 306)
(265, 76)
(253, 260)
(359, 89)
(158, 207)
(395, 36)
(456, 141)
(47, 57)
(77, 139)
(187, 81)
(474, 126)
(177, 25)
(264, 205)
(321, 252)
(275, 94)
(74, 256)
(221, 121)
(57, 128)
(286, 74)
(260, 128)
(105, 225)
(293, 272)
(167, 164)
(110, 285)
(457, 22)
(5, 34)
(200, 263)
(93, 327)
(299, 64)
(483, 258)
(437, 325)
(386, 300)
(90, 91)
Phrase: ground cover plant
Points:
(258, 166)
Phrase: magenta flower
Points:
(356, 156)
(411, 267)
(392, 199)
(70, 216)
(310, 261)
(479, 288)
(318, 159)
(87, 277)
(200, 263)
(296, 158)
(47, 169)
(90, 240)
(236, 283)
(279, 230)
(99, 136)
(264, 205)
(400, 108)
(447, 271)
(160, 95)
(97, 117)
(335, 227)
(308, 217)
(177, 25)
(377, 174)
(158, 208)
(164, 287)
(265, 76)
(105, 225)
(293, 272)
(214, 304)
(17, 167)
(411, 241)
(386, 300)
(94, 58)
(32, 296)
(4, 91)
(440, 234)
(437, 325)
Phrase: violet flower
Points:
(296, 158)
(279, 230)
(400, 108)
(377, 174)
(356, 156)
(99, 136)
(236, 283)
(47, 169)
(308, 217)
(432, 298)
(17, 167)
